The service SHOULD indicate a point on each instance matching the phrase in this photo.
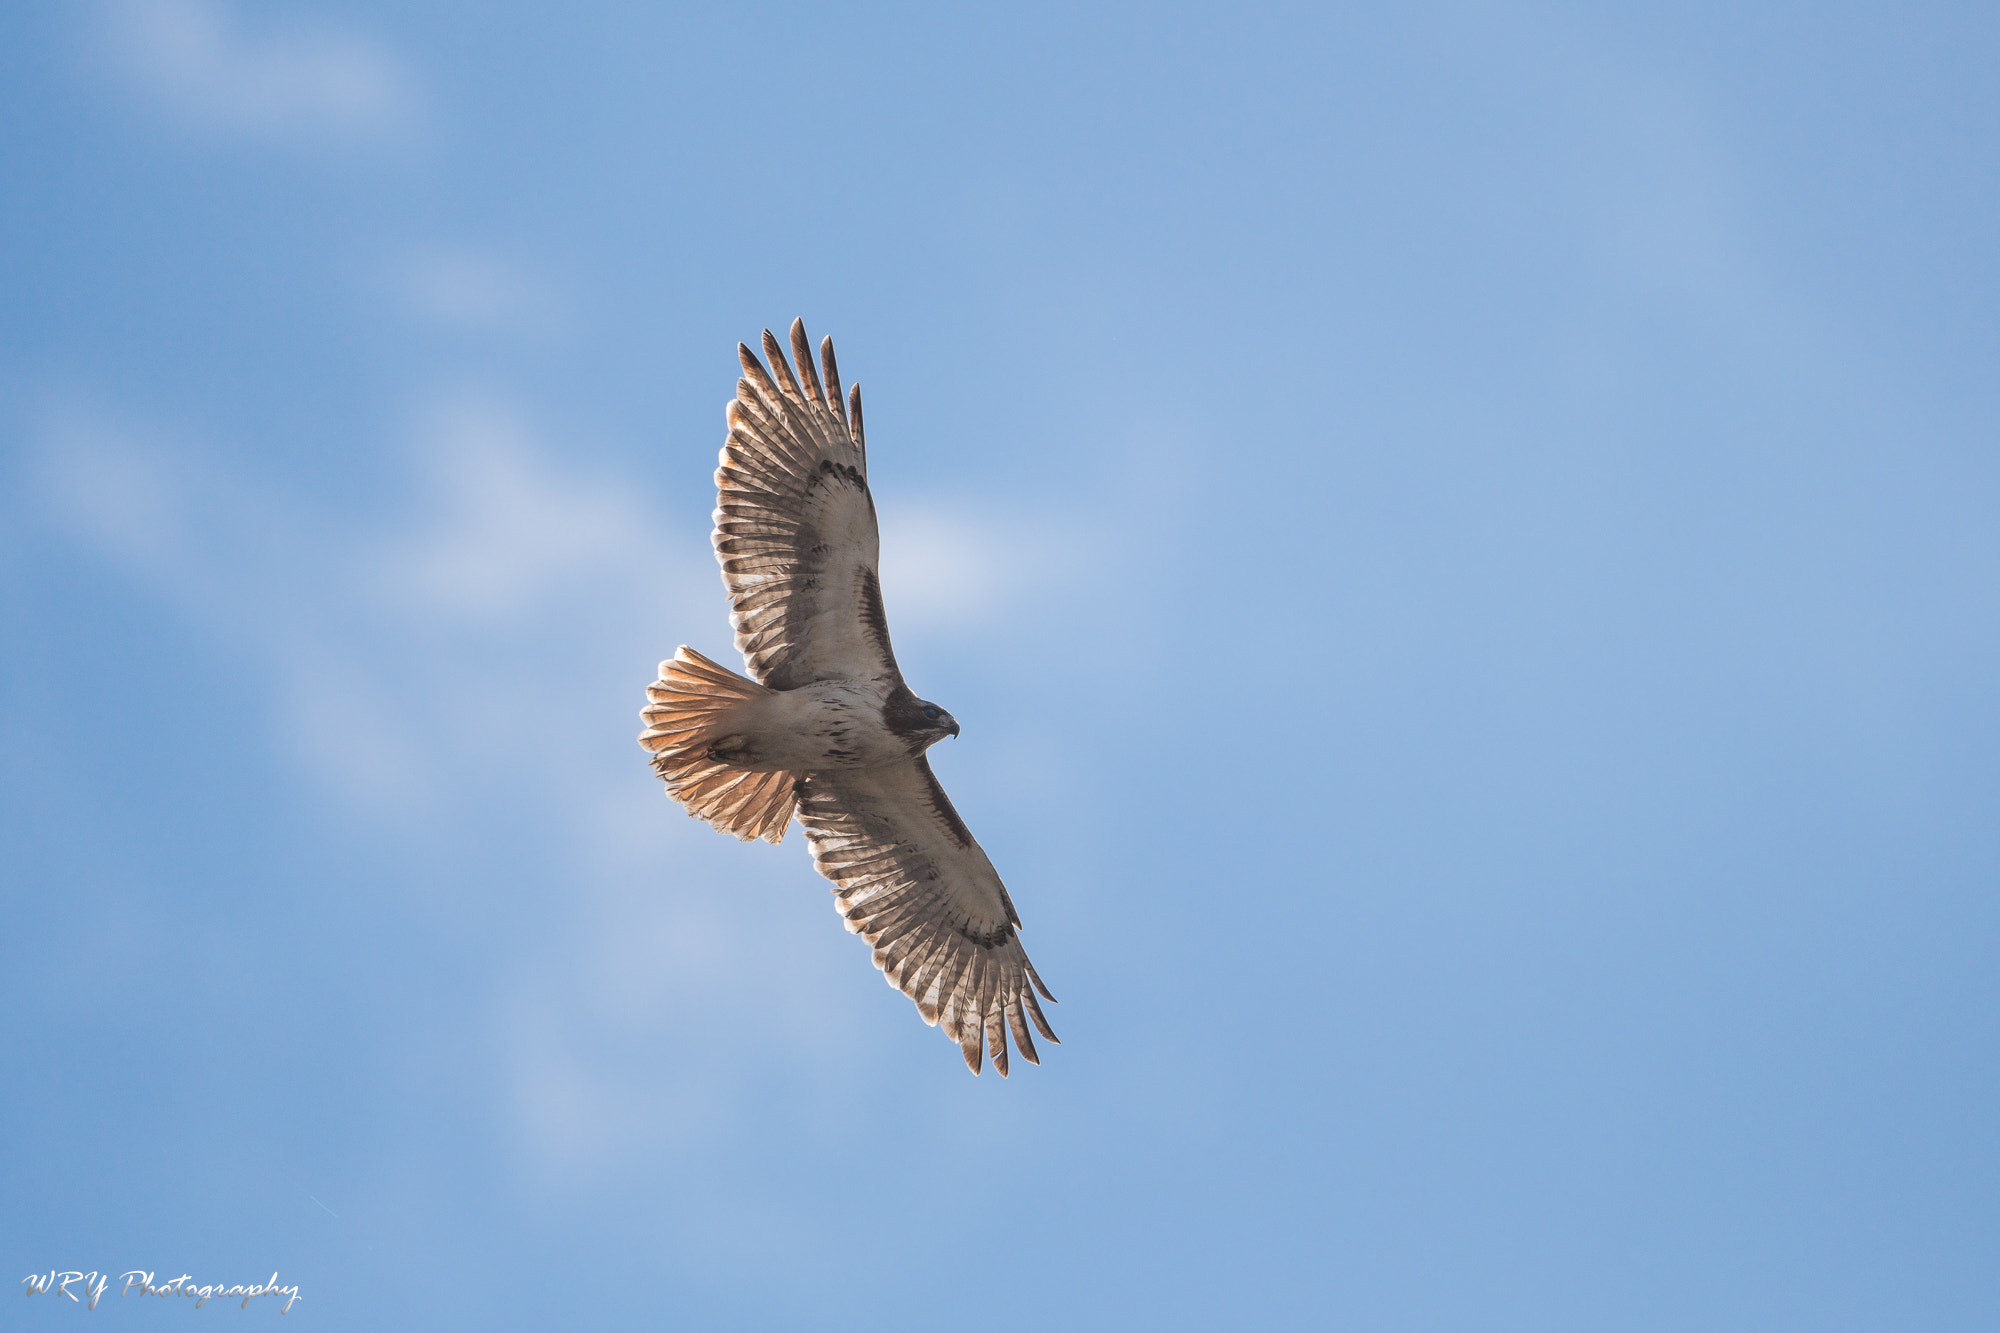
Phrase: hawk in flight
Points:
(826, 728)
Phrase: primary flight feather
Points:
(827, 729)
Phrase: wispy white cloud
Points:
(196, 59)
(951, 568)
(946, 566)
(491, 647)
(455, 287)
(506, 527)
(481, 641)
(124, 498)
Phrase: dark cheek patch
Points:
(900, 713)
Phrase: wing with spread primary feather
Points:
(911, 880)
(795, 525)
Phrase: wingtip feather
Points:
(802, 354)
(831, 369)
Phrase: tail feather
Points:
(690, 703)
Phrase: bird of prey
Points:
(827, 729)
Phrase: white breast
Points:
(825, 725)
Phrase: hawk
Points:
(825, 727)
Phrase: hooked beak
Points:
(954, 726)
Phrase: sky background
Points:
(1465, 541)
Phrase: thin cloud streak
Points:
(475, 291)
(427, 670)
(198, 61)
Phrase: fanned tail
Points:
(690, 703)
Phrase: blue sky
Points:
(1462, 537)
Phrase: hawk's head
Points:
(919, 722)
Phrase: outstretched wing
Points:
(795, 525)
(911, 881)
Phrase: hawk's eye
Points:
(931, 711)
